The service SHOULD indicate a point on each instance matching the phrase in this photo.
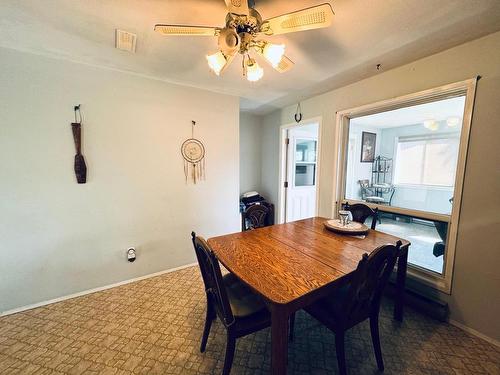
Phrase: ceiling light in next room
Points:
(453, 122)
(431, 125)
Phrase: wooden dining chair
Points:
(358, 300)
(256, 216)
(241, 311)
(360, 212)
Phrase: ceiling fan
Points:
(244, 30)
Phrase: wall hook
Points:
(298, 114)
(79, 112)
(193, 123)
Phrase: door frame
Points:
(355, 137)
(468, 88)
(283, 167)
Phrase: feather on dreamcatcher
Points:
(193, 152)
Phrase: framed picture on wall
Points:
(368, 142)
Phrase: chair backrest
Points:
(212, 278)
(360, 212)
(256, 216)
(368, 282)
(392, 190)
(364, 183)
(365, 188)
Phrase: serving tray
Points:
(352, 228)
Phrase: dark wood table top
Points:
(287, 261)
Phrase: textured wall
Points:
(476, 282)
(250, 150)
(58, 237)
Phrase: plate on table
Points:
(353, 228)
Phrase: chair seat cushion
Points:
(244, 302)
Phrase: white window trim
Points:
(423, 186)
(467, 88)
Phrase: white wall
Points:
(250, 152)
(360, 171)
(58, 237)
(476, 283)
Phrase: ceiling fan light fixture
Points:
(243, 26)
(273, 53)
(217, 61)
(254, 72)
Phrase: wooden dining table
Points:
(293, 265)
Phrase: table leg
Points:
(279, 340)
(400, 284)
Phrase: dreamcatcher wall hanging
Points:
(193, 152)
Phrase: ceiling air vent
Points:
(125, 41)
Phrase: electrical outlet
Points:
(131, 255)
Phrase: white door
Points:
(301, 173)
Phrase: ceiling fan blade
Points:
(229, 59)
(306, 19)
(184, 30)
(284, 65)
(239, 7)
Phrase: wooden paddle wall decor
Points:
(80, 166)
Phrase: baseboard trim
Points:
(472, 331)
(90, 291)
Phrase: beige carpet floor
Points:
(154, 327)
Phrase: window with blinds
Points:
(426, 160)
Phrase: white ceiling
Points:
(364, 33)
(417, 114)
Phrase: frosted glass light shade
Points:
(216, 62)
(274, 53)
(254, 71)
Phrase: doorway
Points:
(299, 171)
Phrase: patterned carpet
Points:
(154, 327)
